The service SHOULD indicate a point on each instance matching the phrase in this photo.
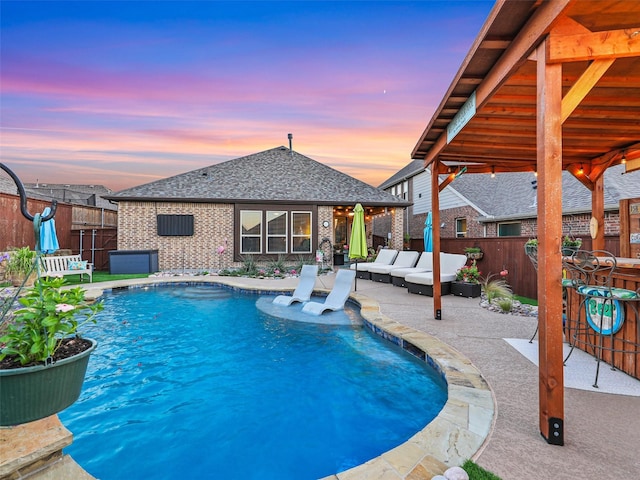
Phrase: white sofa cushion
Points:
(404, 259)
(450, 263)
(425, 264)
(386, 256)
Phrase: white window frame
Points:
(308, 236)
(270, 235)
(259, 236)
(460, 233)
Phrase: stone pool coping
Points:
(459, 432)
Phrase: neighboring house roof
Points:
(72, 193)
(410, 170)
(511, 195)
(7, 185)
(278, 175)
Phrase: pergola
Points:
(547, 86)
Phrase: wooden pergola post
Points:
(597, 209)
(549, 163)
(435, 222)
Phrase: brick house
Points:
(482, 205)
(270, 204)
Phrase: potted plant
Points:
(467, 282)
(474, 253)
(531, 246)
(20, 266)
(570, 245)
(42, 359)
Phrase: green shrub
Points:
(249, 266)
(496, 289)
(277, 267)
(505, 303)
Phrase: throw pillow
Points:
(78, 265)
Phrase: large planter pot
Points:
(32, 393)
(465, 289)
(17, 279)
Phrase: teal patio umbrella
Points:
(358, 242)
(428, 234)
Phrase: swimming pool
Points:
(195, 382)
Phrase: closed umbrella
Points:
(48, 237)
(358, 242)
(428, 234)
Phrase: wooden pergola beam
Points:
(596, 45)
(583, 86)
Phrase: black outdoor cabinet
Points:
(133, 261)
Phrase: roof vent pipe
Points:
(290, 137)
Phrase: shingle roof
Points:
(409, 170)
(278, 175)
(511, 195)
(79, 194)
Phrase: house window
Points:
(276, 232)
(461, 227)
(301, 232)
(250, 231)
(509, 229)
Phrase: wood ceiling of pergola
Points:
(601, 96)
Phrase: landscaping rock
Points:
(456, 473)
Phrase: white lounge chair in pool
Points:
(386, 256)
(303, 291)
(338, 296)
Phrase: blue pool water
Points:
(195, 382)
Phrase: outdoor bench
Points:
(66, 265)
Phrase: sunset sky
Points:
(122, 93)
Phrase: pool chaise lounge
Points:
(422, 283)
(380, 273)
(337, 297)
(303, 291)
(386, 256)
(425, 264)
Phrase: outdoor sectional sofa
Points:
(422, 283)
(425, 264)
(380, 273)
(385, 256)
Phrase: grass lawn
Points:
(526, 301)
(102, 277)
(476, 472)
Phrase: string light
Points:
(624, 158)
(493, 172)
(581, 170)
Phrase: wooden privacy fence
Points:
(94, 245)
(17, 231)
(88, 231)
(507, 253)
